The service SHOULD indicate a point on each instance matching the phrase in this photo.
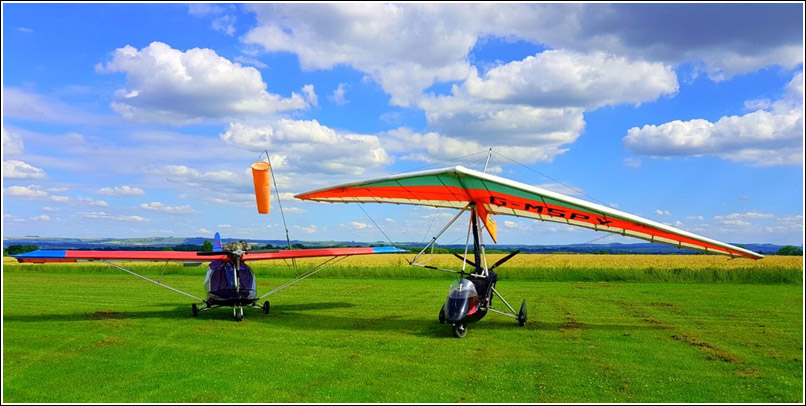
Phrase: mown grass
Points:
(87, 333)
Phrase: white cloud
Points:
(632, 162)
(310, 95)
(158, 206)
(13, 169)
(23, 104)
(560, 78)
(42, 217)
(60, 199)
(92, 202)
(308, 230)
(740, 219)
(763, 137)
(12, 143)
(338, 95)
(204, 9)
(124, 190)
(31, 191)
(358, 225)
(245, 60)
(175, 87)
(309, 146)
(660, 212)
(433, 147)
(225, 24)
(100, 215)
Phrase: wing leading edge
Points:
(457, 187)
(42, 256)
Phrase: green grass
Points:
(89, 334)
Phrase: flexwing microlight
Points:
(458, 187)
(471, 297)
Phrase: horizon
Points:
(142, 120)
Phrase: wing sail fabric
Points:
(458, 186)
(41, 256)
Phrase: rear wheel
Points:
(442, 315)
(195, 310)
(459, 330)
(522, 314)
(266, 307)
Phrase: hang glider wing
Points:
(458, 187)
(42, 256)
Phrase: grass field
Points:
(601, 329)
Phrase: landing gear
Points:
(522, 314)
(459, 330)
(442, 315)
(237, 313)
(195, 310)
(266, 307)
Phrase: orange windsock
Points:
(260, 176)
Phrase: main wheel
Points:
(236, 315)
(522, 314)
(442, 315)
(195, 310)
(266, 307)
(459, 330)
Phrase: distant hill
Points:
(163, 242)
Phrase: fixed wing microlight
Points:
(485, 195)
(229, 281)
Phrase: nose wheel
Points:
(459, 330)
(237, 313)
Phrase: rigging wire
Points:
(360, 206)
(549, 177)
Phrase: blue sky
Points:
(139, 120)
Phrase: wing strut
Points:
(153, 281)
(318, 268)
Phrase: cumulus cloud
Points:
(168, 85)
(13, 169)
(660, 212)
(358, 225)
(434, 147)
(26, 192)
(768, 137)
(124, 190)
(306, 145)
(561, 78)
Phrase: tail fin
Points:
(217, 247)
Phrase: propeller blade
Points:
(504, 259)
(466, 260)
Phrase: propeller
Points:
(473, 264)
(505, 259)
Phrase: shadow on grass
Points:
(298, 316)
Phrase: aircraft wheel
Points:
(459, 330)
(442, 315)
(195, 310)
(522, 314)
(266, 307)
(236, 315)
